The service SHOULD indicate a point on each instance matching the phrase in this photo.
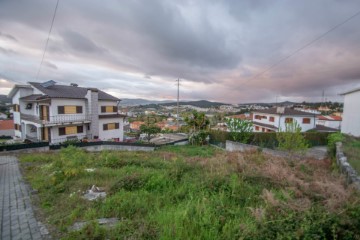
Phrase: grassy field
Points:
(187, 192)
(352, 151)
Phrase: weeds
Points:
(194, 192)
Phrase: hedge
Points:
(11, 147)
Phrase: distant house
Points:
(329, 121)
(351, 115)
(275, 119)
(57, 113)
(3, 115)
(135, 126)
(7, 128)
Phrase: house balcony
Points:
(62, 119)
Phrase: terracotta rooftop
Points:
(6, 124)
(329, 118)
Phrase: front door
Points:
(45, 134)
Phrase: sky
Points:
(220, 49)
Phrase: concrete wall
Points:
(345, 167)
(8, 132)
(110, 134)
(351, 115)
(118, 148)
(27, 150)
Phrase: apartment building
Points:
(57, 113)
(275, 119)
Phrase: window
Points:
(257, 128)
(16, 108)
(110, 126)
(70, 130)
(306, 120)
(108, 109)
(259, 117)
(17, 127)
(70, 109)
(271, 119)
(288, 120)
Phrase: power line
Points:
(304, 46)
(47, 41)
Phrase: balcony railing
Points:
(59, 119)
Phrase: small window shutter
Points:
(103, 109)
(116, 125)
(105, 127)
(61, 131)
(78, 109)
(61, 109)
(114, 108)
(80, 129)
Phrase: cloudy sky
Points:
(137, 49)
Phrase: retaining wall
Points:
(241, 147)
(351, 175)
(98, 148)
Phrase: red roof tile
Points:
(6, 124)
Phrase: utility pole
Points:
(177, 111)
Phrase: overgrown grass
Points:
(187, 192)
(352, 151)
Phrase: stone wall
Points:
(351, 175)
(26, 150)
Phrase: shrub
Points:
(240, 130)
(291, 139)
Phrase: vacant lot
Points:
(352, 151)
(190, 192)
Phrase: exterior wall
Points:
(110, 134)
(351, 115)
(21, 92)
(55, 138)
(331, 124)
(67, 102)
(106, 103)
(93, 108)
(304, 127)
(118, 148)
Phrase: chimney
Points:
(280, 110)
(93, 110)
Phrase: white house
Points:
(56, 113)
(351, 115)
(275, 119)
(330, 121)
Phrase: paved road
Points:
(17, 219)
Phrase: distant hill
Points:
(286, 103)
(4, 99)
(140, 101)
(200, 103)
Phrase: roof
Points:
(264, 125)
(287, 111)
(351, 91)
(15, 88)
(329, 118)
(322, 128)
(34, 97)
(64, 91)
(6, 124)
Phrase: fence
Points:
(21, 146)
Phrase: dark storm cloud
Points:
(217, 46)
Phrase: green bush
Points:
(291, 139)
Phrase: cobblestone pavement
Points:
(17, 219)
